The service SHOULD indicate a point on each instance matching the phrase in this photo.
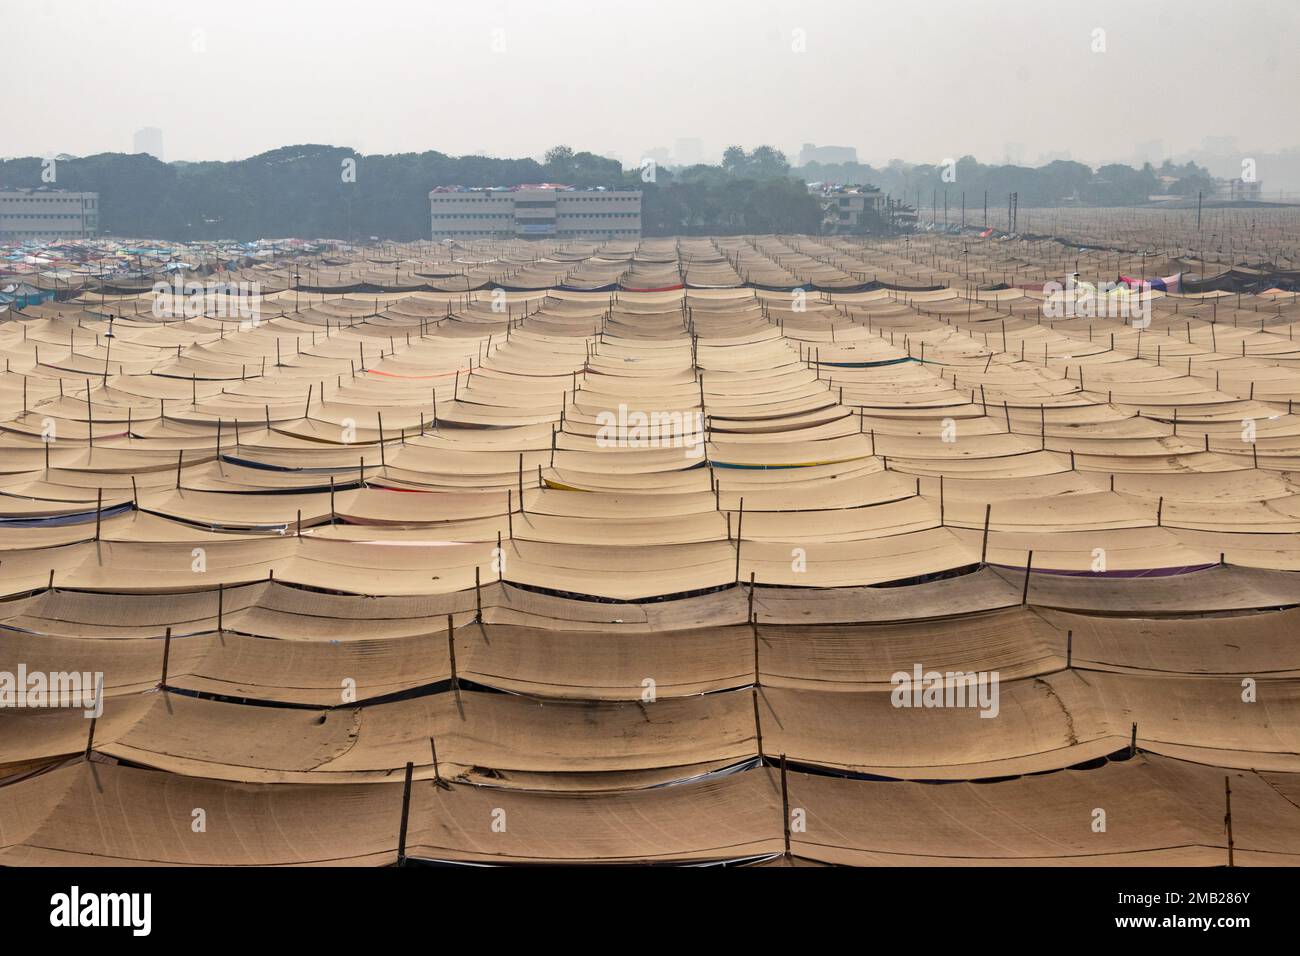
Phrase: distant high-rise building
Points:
(660, 154)
(811, 153)
(149, 140)
(688, 151)
(1151, 151)
(1219, 144)
(1013, 154)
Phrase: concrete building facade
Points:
(44, 214)
(531, 212)
(843, 207)
(1238, 190)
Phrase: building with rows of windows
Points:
(43, 214)
(543, 211)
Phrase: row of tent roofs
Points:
(427, 579)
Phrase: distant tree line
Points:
(752, 192)
(1058, 182)
(330, 191)
(310, 191)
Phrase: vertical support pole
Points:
(740, 524)
(1029, 565)
(984, 547)
(1227, 815)
(406, 815)
(785, 807)
(451, 652)
(167, 653)
(437, 775)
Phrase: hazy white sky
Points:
(914, 79)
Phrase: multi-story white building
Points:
(47, 214)
(1236, 190)
(543, 211)
(843, 207)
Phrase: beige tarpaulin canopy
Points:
(1160, 812)
(602, 557)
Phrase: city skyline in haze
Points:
(999, 80)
